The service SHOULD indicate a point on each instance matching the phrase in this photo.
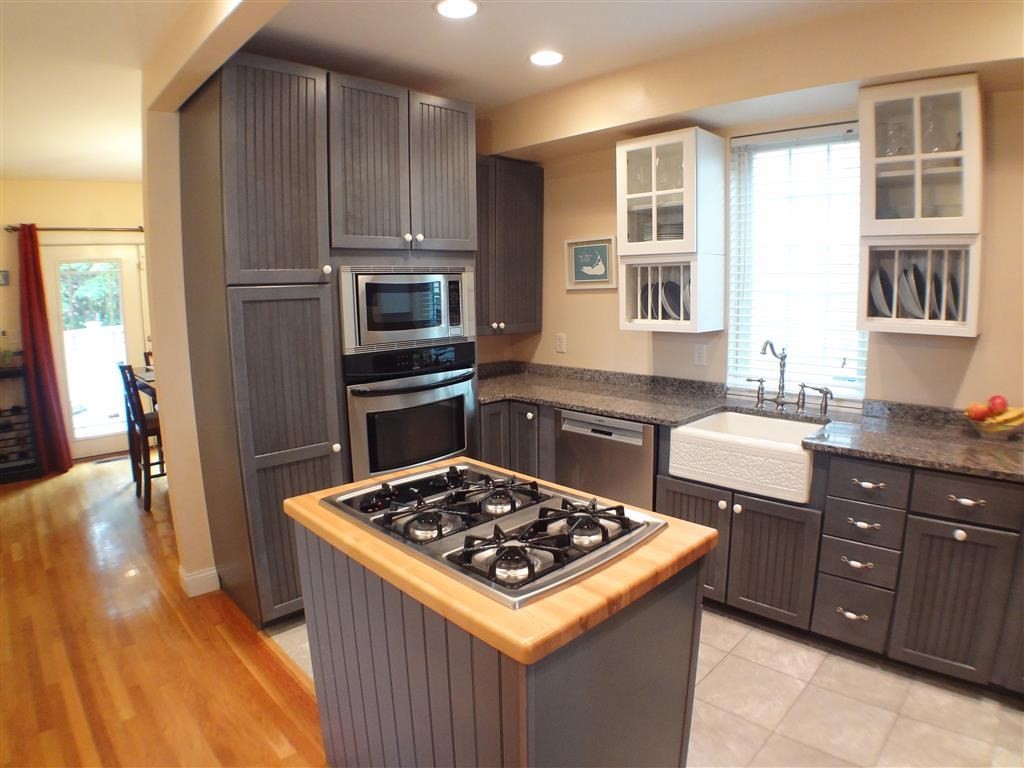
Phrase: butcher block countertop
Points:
(536, 629)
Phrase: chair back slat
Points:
(131, 395)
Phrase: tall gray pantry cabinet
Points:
(261, 316)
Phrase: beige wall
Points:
(56, 204)
(580, 202)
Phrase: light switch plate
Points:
(560, 343)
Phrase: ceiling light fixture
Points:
(546, 58)
(456, 9)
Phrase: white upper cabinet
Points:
(921, 157)
(670, 193)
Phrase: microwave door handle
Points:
(368, 392)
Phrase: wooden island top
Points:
(533, 631)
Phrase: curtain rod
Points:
(15, 228)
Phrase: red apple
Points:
(997, 404)
(978, 411)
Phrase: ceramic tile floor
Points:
(769, 697)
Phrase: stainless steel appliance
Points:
(609, 457)
(398, 307)
(410, 406)
(512, 540)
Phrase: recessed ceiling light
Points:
(546, 58)
(456, 9)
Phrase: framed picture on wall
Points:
(590, 263)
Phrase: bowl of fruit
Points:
(995, 420)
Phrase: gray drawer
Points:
(860, 562)
(864, 616)
(857, 521)
(969, 499)
(868, 481)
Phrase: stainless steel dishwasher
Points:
(605, 456)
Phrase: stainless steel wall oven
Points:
(410, 406)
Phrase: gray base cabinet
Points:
(509, 264)
(704, 505)
(518, 436)
(952, 596)
(773, 557)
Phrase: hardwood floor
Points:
(104, 661)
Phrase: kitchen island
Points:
(415, 664)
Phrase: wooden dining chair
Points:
(144, 426)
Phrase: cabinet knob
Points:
(960, 534)
(419, 237)
(529, 415)
(327, 269)
(722, 503)
(737, 508)
(501, 325)
(336, 447)
(407, 237)
(494, 326)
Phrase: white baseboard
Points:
(199, 582)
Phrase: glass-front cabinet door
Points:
(921, 157)
(656, 179)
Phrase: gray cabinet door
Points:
(524, 443)
(773, 559)
(519, 225)
(274, 155)
(494, 433)
(703, 505)
(369, 164)
(487, 276)
(952, 597)
(282, 352)
(442, 175)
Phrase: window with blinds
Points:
(795, 220)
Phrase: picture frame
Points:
(590, 264)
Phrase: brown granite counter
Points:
(949, 447)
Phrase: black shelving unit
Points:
(18, 458)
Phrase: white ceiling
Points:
(70, 86)
(485, 59)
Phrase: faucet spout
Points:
(768, 345)
(781, 357)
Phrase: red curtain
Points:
(52, 446)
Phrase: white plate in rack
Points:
(880, 293)
(952, 299)
(909, 303)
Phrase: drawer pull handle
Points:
(851, 615)
(867, 485)
(965, 502)
(864, 526)
(856, 563)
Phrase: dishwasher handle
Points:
(603, 428)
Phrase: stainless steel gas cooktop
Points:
(512, 540)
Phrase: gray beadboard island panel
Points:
(397, 684)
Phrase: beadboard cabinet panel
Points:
(704, 505)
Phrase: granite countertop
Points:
(949, 447)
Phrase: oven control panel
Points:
(375, 366)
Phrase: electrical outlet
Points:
(560, 343)
(700, 354)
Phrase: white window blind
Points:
(795, 224)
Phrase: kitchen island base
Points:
(398, 684)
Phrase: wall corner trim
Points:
(199, 582)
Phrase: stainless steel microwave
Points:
(396, 307)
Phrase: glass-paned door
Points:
(94, 302)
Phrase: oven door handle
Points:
(368, 392)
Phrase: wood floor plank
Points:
(105, 661)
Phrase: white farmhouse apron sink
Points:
(755, 454)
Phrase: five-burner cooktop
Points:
(511, 539)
